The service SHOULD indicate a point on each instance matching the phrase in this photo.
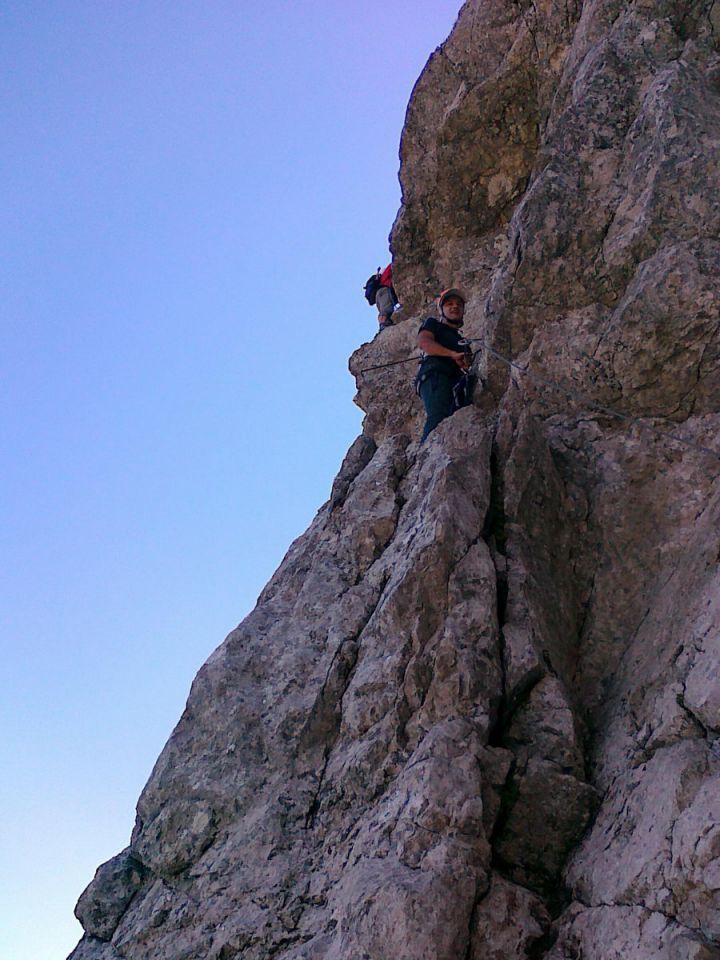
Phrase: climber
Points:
(445, 361)
(386, 298)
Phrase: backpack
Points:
(372, 287)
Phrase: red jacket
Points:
(386, 276)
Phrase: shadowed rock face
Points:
(476, 712)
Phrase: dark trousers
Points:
(436, 393)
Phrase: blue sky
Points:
(193, 195)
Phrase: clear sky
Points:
(193, 194)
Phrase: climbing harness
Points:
(463, 390)
(572, 394)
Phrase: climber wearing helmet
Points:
(446, 357)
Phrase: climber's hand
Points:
(462, 360)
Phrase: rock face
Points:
(476, 712)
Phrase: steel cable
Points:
(574, 395)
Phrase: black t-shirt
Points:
(448, 337)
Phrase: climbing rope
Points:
(572, 394)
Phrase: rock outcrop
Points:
(476, 712)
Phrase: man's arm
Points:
(428, 344)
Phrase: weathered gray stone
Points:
(507, 922)
(106, 899)
(91, 948)
(656, 841)
(618, 932)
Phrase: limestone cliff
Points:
(476, 713)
